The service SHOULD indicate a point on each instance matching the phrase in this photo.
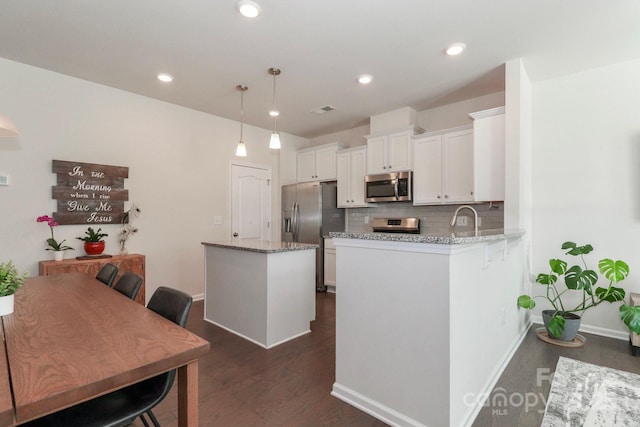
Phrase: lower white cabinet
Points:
(351, 170)
(329, 263)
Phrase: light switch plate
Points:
(4, 179)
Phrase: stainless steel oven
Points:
(389, 187)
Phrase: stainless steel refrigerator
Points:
(310, 212)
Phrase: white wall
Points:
(178, 161)
(351, 137)
(586, 179)
(438, 118)
(457, 114)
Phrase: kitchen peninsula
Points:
(263, 291)
(425, 323)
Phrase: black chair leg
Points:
(144, 420)
(153, 418)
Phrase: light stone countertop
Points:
(262, 246)
(457, 238)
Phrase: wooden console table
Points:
(132, 262)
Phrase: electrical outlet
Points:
(461, 221)
(479, 222)
(366, 219)
(217, 220)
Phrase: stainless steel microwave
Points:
(388, 187)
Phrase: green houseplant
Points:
(93, 243)
(583, 282)
(10, 281)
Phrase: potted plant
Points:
(562, 321)
(10, 281)
(93, 243)
(57, 248)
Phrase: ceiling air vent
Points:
(323, 110)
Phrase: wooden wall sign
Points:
(88, 193)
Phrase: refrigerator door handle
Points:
(294, 220)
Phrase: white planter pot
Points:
(58, 255)
(6, 305)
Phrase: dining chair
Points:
(121, 407)
(129, 284)
(107, 273)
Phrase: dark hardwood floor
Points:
(242, 384)
(519, 397)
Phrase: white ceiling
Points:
(321, 46)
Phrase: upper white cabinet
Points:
(317, 163)
(352, 165)
(461, 165)
(443, 167)
(488, 154)
(390, 152)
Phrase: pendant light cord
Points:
(274, 72)
(275, 118)
(242, 90)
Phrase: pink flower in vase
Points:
(54, 245)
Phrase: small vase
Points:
(58, 255)
(6, 305)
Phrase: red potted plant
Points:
(93, 243)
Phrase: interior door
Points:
(250, 202)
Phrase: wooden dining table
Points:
(71, 338)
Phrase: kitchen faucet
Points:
(475, 217)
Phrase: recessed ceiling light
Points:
(274, 113)
(456, 49)
(365, 79)
(249, 8)
(164, 77)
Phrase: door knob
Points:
(235, 234)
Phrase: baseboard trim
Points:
(396, 419)
(590, 329)
(493, 380)
(373, 408)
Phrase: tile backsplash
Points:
(433, 219)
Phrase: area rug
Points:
(588, 395)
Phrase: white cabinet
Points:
(317, 163)
(351, 170)
(390, 152)
(461, 165)
(488, 153)
(443, 167)
(427, 170)
(329, 263)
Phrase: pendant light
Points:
(7, 128)
(274, 143)
(241, 149)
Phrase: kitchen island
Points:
(263, 291)
(426, 323)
